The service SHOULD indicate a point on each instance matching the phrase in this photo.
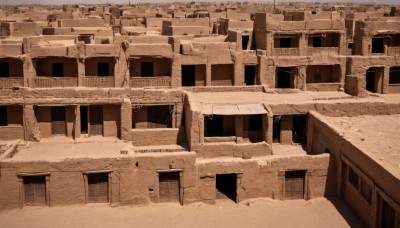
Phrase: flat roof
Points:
(59, 151)
(377, 136)
(200, 99)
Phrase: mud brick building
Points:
(192, 103)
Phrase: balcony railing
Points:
(285, 51)
(11, 82)
(47, 82)
(139, 82)
(95, 81)
(321, 50)
(393, 51)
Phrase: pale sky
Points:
(54, 2)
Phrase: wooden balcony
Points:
(285, 51)
(322, 51)
(11, 82)
(140, 82)
(48, 82)
(393, 51)
(96, 81)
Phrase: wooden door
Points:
(35, 190)
(294, 185)
(58, 121)
(98, 188)
(169, 187)
(96, 120)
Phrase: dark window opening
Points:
(299, 129)
(214, 125)
(378, 45)
(294, 184)
(283, 77)
(350, 45)
(387, 215)
(98, 187)
(3, 116)
(366, 191)
(159, 116)
(84, 119)
(4, 70)
(285, 42)
(245, 41)
(370, 80)
(35, 190)
(147, 69)
(226, 186)
(57, 69)
(255, 122)
(86, 38)
(103, 69)
(219, 126)
(188, 75)
(58, 121)
(169, 187)
(96, 119)
(317, 41)
(394, 75)
(250, 75)
(353, 178)
(276, 131)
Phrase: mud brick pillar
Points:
(286, 130)
(126, 120)
(31, 127)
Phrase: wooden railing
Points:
(139, 82)
(11, 82)
(95, 81)
(285, 51)
(320, 50)
(47, 82)
(393, 51)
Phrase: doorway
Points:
(169, 187)
(294, 185)
(373, 79)
(276, 131)
(35, 190)
(96, 120)
(299, 129)
(250, 75)
(283, 77)
(98, 188)
(226, 185)
(58, 121)
(188, 75)
(84, 119)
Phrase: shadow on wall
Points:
(346, 212)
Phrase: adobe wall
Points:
(132, 177)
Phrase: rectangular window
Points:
(285, 42)
(57, 69)
(394, 75)
(35, 190)
(98, 188)
(378, 45)
(366, 191)
(317, 41)
(159, 116)
(147, 69)
(103, 69)
(4, 70)
(3, 116)
(353, 178)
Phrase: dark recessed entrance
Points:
(299, 129)
(84, 119)
(188, 75)
(276, 132)
(283, 77)
(226, 186)
(250, 75)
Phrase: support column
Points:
(176, 79)
(238, 74)
(385, 79)
(301, 78)
(31, 126)
(239, 129)
(303, 44)
(126, 120)
(208, 74)
(77, 123)
(81, 72)
(342, 44)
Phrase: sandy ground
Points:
(318, 212)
